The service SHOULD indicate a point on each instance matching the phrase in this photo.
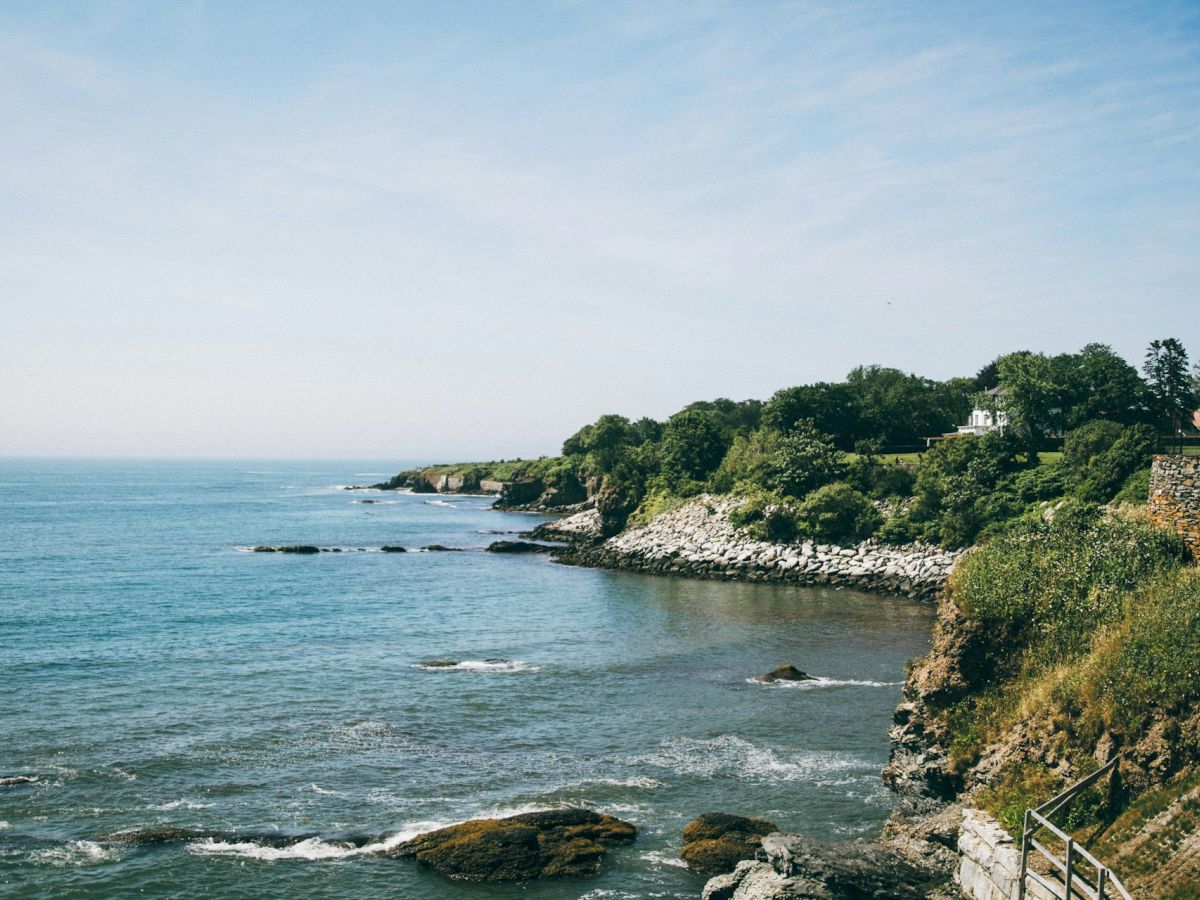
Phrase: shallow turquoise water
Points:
(152, 674)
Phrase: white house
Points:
(984, 420)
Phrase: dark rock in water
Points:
(787, 673)
(791, 866)
(517, 547)
(560, 842)
(297, 548)
(17, 779)
(716, 842)
(366, 501)
(439, 664)
(438, 548)
(389, 548)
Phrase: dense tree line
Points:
(808, 460)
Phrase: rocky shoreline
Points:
(698, 540)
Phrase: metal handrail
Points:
(1105, 884)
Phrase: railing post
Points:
(1070, 862)
(1024, 857)
(1101, 878)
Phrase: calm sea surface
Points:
(151, 673)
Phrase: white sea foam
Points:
(480, 665)
(74, 853)
(317, 789)
(817, 682)
(733, 756)
(183, 803)
(439, 503)
(316, 848)
(662, 858)
(637, 781)
(4, 825)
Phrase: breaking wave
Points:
(729, 756)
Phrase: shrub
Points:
(805, 459)
(1136, 488)
(1040, 483)
(836, 513)
(1041, 591)
(765, 517)
(880, 480)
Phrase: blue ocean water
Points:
(153, 674)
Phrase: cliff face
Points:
(1153, 842)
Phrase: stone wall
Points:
(698, 540)
(1175, 497)
(991, 861)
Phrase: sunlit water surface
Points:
(151, 673)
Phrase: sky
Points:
(450, 230)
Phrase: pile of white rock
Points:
(697, 539)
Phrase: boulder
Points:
(518, 547)
(787, 672)
(716, 842)
(560, 842)
(792, 866)
(392, 548)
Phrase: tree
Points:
(832, 408)
(1105, 386)
(602, 441)
(1172, 395)
(1033, 397)
(693, 445)
(837, 512)
(805, 459)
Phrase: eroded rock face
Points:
(561, 842)
(716, 842)
(787, 672)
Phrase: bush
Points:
(766, 517)
(805, 459)
(1042, 591)
(880, 480)
(1152, 662)
(1136, 488)
(693, 444)
(1044, 482)
(836, 513)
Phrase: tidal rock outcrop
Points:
(518, 547)
(303, 549)
(716, 842)
(554, 843)
(792, 866)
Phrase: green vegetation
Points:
(1085, 626)
(862, 440)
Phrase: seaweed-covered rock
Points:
(716, 842)
(560, 842)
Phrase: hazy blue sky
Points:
(463, 229)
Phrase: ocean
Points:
(155, 673)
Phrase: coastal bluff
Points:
(697, 539)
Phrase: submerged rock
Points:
(518, 547)
(787, 673)
(716, 842)
(17, 779)
(560, 842)
(439, 548)
(154, 835)
(304, 549)
(390, 548)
